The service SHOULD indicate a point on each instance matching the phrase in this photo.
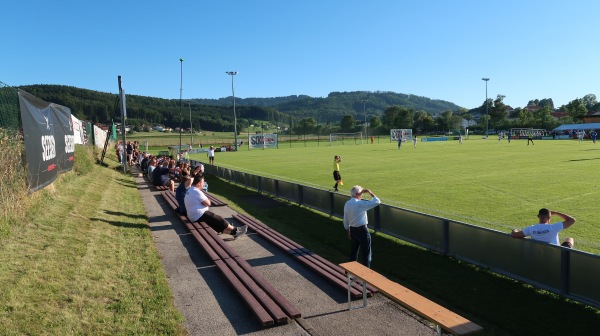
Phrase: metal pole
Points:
(233, 73)
(365, 113)
(487, 115)
(123, 108)
(180, 102)
(191, 126)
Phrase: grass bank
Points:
(13, 182)
(82, 261)
(502, 306)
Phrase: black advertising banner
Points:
(64, 137)
(49, 146)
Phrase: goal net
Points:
(345, 138)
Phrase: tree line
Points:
(338, 112)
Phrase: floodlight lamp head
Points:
(181, 59)
(232, 73)
(485, 79)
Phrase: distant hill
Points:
(338, 104)
(216, 114)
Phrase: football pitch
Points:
(500, 186)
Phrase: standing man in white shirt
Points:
(355, 223)
(211, 155)
(546, 232)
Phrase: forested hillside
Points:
(101, 107)
(217, 114)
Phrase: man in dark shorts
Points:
(197, 208)
(336, 172)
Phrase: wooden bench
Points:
(443, 318)
(320, 265)
(269, 306)
(214, 201)
(156, 188)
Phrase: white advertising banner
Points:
(78, 131)
(99, 137)
(262, 140)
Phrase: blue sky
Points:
(437, 49)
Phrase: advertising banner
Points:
(78, 131)
(262, 140)
(402, 133)
(49, 141)
(99, 137)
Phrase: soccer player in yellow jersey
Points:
(336, 172)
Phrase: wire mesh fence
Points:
(10, 117)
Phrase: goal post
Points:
(345, 138)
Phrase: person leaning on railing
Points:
(546, 232)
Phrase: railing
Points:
(570, 273)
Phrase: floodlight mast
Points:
(487, 115)
(233, 73)
(180, 103)
(365, 113)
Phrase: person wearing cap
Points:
(546, 232)
(198, 210)
(356, 221)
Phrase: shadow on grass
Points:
(121, 224)
(118, 213)
(127, 183)
(591, 159)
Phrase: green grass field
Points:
(498, 186)
(82, 260)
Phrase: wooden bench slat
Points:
(212, 254)
(211, 241)
(218, 240)
(290, 310)
(307, 258)
(255, 291)
(214, 201)
(332, 278)
(319, 264)
(265, 300)
(262, 315)
(300, 249)
(432, 311)
(270, 233)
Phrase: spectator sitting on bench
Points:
(197, 207)
(152, 163)
(144, 163)
(199, 169)
(546, 232)
(160, 176)
(184, 183)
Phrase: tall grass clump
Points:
(85, 159)
(13, 182)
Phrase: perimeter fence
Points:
(567, 272)
(10, 116)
